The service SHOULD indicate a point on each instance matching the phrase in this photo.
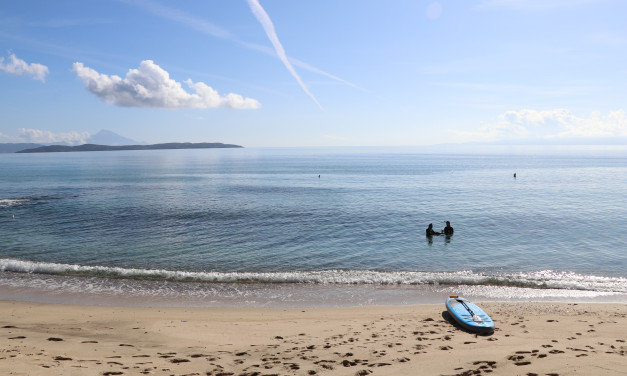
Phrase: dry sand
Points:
(530, 339)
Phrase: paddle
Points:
(475, 318)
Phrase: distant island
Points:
(14, 148)
(94, 147)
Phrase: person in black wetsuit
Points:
(430, 231)
(448, 230)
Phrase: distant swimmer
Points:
(448, 230)
(319, 176)
(514, 175)
(430, 231)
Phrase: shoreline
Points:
(51, 289)
(226, 295)
(530, 338)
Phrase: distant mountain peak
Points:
(106, 137)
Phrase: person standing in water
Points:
(430, 231)
(448, 230)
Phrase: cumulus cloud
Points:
(46, 137)
(550, 124)
(151, 86)
(15, 65)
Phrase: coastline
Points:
(530, 338)
(97, 291)
(57, 289)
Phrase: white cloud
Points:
(268, 27)
(151, 86)
(15, 65)
(7, 138)
(597, 125)
(549, 124)
(46, 137)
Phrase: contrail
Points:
(213, 30)
(268, 27)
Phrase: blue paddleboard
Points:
(469, 315)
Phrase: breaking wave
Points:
(14, 201)
(6, 202)
(546, 279)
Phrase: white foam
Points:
(541, 279)
(6, 202)
(104, 291)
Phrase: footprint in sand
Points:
(486, 366)
(178, 360)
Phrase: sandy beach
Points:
(529, 339)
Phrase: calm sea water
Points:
(312, 226)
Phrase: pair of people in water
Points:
(448, 230)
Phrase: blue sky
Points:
(276, 73)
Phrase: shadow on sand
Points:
(447, 316)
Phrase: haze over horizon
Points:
(325, 73)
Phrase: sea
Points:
(314, 227)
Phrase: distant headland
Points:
(105, 141)
(94, 147)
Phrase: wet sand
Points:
(530, 339)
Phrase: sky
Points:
(279, 73)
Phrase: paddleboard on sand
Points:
(469, 315)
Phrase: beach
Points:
(529, 339)
(245, 262)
